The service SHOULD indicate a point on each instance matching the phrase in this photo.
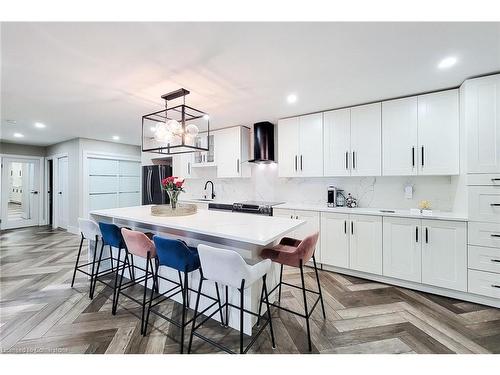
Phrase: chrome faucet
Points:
(206, 184)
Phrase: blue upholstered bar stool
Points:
(89, 230)
(177, 255)
(112, 237)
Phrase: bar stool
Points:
(178, 256)
(228, 268)
(138, 244)
(296, 253)
(112, 237)
(89, 230)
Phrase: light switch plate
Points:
(409, 192)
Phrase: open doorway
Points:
(20, 192)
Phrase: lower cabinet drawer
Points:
(484, 283)
(484, 203)
(484, 259)
(484, 234)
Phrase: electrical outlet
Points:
(409, 192)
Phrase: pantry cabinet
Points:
(232, 152)
(444, 254)
(481, 102)
(300, 146)
(311, 225)
(402, 243)
(438, 133)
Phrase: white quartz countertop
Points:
(249, 228)
(437, 215)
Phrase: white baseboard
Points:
(475, 298)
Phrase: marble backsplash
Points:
(378, 192)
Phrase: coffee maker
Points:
(333, 197)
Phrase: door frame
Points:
(41, 186)
(55, 185)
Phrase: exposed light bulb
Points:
(206, 117)
(192, 130)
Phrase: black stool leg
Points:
(113, 311)
(93, 266)
(242, 306)
(319, 288)
(220, 305)
(157, 290)
(77, 260)
(279, 288)
(264, 288)
(144, 295)
(260, 305)
(153, 289)
(118, 289)
(227, 306)
(184, 302)
(111, 258)
(131, 267)
(305, 306)
(92, 288)
(195, 312)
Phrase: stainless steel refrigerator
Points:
(152, 193)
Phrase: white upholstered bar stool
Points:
(228, 268)
(89, 230)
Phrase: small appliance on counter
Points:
(350, 201)
(335, 197)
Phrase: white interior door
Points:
(62, 205)
(21, 185)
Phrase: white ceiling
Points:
(96, 80)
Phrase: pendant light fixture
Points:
(177, 129)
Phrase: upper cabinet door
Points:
(288, 147)
(438, 133)
(444, 254)
(399, 137)
(310, 161)
(228, 152)
(482, 121)
(337, 142)
(366, 140)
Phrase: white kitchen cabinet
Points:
(399, 137)
(482, 121)
(402, 243)
(232, 152)
(365, 252)
(484, 203)
(366, 140)
(300, 146)
(337, 142)
(335, 239)
(484, 283)
(182, 165)
(311, 225)
(444, 254)
(438, 133)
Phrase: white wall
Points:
(17, 149)
(380, 192)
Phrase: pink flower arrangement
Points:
(173, 183)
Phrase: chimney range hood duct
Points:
(263, 143)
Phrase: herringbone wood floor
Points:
(40, 312)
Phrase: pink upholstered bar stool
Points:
(296, 253)
(140, 245)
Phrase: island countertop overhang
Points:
(241, 227)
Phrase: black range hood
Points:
(263, 143)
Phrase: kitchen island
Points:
(247, 234)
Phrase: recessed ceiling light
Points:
(291, 98)
(447, 62)
(116, 138)
(39, 125)
(18, 135)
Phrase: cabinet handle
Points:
(345, 226)
(413, 157)
(423, 160)
(297, 217)
(416, 234)
(295, 162)
(300, 162)
(291, 216)
(495, 286)
(495, 235)
(495, 204)
(426, 235)
(495, 179)
(352, 228)
(347, 160)
(353, 160)
(189, 167)
(237, 165)
(495, 260)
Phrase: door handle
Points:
(295, 162)
(353, 160)
(300, 162)
(347, 160)
(345, 226)
(426, 235)
(416, 234)
(352, 228)
(413, 157)
(237, 165)
(423, 160)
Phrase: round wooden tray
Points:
(183, 209)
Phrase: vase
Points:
(174, 196)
